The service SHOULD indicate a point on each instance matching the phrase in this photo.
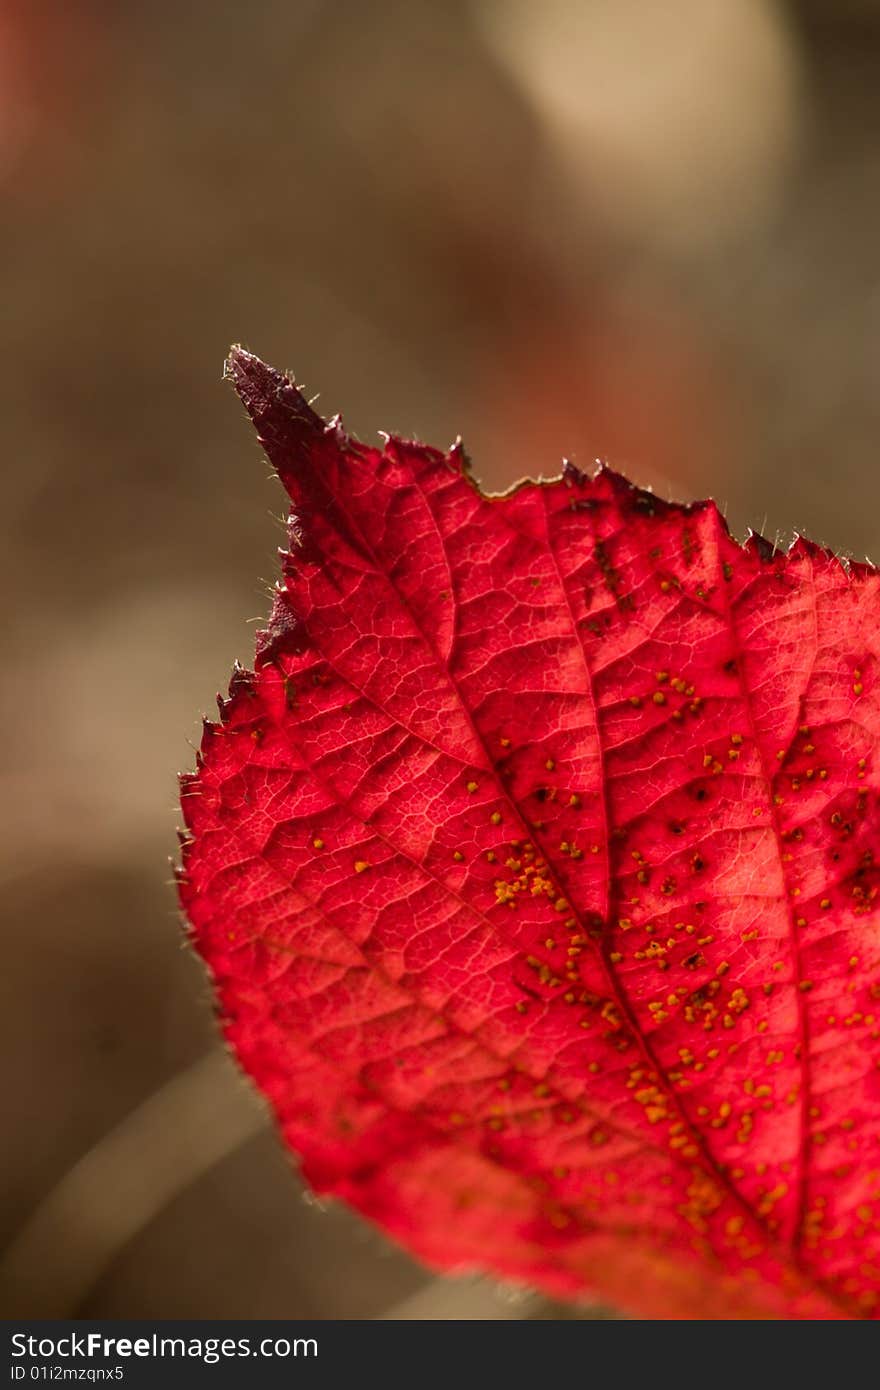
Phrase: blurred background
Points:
(560, 227)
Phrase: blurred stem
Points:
(122, 1183)
(454, 1300)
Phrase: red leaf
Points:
(535, 870)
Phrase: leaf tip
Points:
(279, 410)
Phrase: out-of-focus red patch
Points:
(534, 866)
